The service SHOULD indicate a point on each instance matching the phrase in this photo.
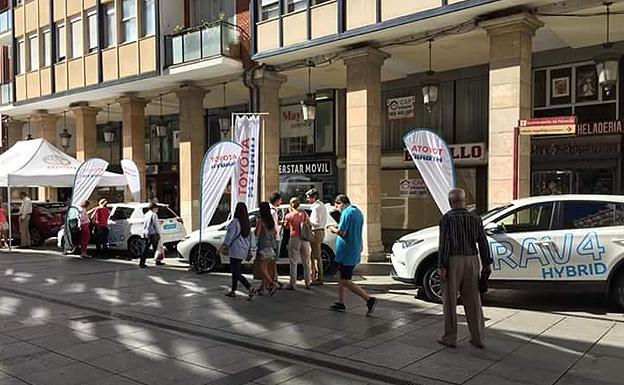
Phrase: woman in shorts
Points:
(266, 233)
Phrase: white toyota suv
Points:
(212, 238)
(574, 242)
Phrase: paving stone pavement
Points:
(66, 320)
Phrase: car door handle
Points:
(619, 241)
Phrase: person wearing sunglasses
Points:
(348, 252)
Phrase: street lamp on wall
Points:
(430, 90)
(308, 106)
(109, 132)
(224, 127)
(607, 62)
(65, 136)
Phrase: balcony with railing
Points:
(203, 42)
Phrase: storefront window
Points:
(301, 138)
(161, 150)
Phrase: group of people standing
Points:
(304, 235)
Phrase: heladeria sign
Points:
(599, 128)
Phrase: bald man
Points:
(458, 260)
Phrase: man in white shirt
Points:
(318, 219)
(25, 212)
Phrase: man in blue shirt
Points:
(348, 251)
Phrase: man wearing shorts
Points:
(348, 251)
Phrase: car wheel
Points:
(135, 247)
(432, 284)
(617, 289)
(327, 258)
(205, 262)
(35, 237)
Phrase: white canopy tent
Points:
(37, 163)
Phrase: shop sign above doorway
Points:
(556, 125)
(464, 154)
(317, 167)
(600, 128)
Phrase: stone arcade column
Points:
(364, 112)
(45, 127)
(269, 82)
(15, 131)
(510, 100)
(133, 136)
(86, 130)
(192, 148)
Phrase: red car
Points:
(45, 221)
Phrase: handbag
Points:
(306, 230)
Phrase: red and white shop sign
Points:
(464, 154)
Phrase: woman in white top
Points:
(85, 231)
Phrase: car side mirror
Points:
(492, 228)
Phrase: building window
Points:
(92, 21)
(47, 48)
(149, 17)
(317, 2)
(76, 38)
(294, 5)
(110, 30)
(61, 41)
(33, 52)
(128, 21)
(19, 59)
(269, 9)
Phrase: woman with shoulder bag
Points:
(298, 245)
(266, 232)
(236, 246)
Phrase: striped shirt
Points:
(460, 233)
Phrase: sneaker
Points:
(370, 305)
(317, 283)
(159, 263)
(142, 266)
(272, 289)
(337, 306)
(251, 294)
(308, 287)
(230, 294)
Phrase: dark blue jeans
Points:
(237, 275)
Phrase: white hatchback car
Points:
(126, 227)
(573, 242)
(212, 238)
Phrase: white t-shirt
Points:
(318, 217)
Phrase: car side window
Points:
(591, 214)
(537, 217)
(122, 213)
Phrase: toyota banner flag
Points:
(86, 180)
(245, 180)
(131, 172)
(218, 167)
(434, 161)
